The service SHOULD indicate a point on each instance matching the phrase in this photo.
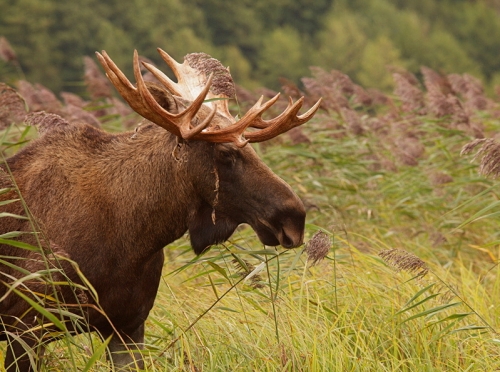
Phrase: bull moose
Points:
(105, 205)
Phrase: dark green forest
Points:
(260, 40)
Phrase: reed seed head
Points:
(244, 269)
(318, 247)
(402, 260)
(489, 151)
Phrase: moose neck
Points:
(151, 186)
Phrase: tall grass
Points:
(393, 181)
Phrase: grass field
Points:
(394, 184)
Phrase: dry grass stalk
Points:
(361, 96)
(313, 88)
(73, 99)
(471, 90)
(412, 98)
(318, 247)
(41, 99)
(12, 106)
(283, 356)
(290, 88)
(97, 84)
(402, 260)
(380, 98)
(298, 136)
(352, 120)
(342, 82)
(441, 105)
(435, 81)
(377, 163)
(409, 150)
(188, 363)
(130, 118)
(489, 151)
(75, 114)
(440, 178)
(458, 84)
(6, 52)
(438, 239)
(442, 100)
(332, 86)
(278, 107)
(45, 121)
(38, 97)
(476, 100)
(244, 269)
(244, 95)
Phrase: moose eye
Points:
(226, 156)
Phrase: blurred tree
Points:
(474, 25)
(258, 38)
(445, 54)
(26, 24)
(59, 34)
(340, 44)
(283, 54)
(305, 16)
(378, 55)
(240, 67)
(233, 23)
(477, 28)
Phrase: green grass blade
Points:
(41, 310)
(96, 355)
(432, 311)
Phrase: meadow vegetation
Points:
(410, 280)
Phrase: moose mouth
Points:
(287, 237)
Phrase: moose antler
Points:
(195, 77)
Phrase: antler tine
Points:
(164, 79)
(149, 108)
(111, 68)
(259, 123)
(257, 110)
(114, 74)
(282, 123)
(121, 83)
(191, 111)
(172, 63)
(310, 113)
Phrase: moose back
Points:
(104, 205)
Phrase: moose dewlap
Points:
(104, 205)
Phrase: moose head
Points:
(234, 185)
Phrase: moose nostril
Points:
(288, 241)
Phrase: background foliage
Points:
(260, 41)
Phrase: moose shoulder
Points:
(111, 202)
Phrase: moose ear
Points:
(204, 233)
(163, 97)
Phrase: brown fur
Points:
(111, 202)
